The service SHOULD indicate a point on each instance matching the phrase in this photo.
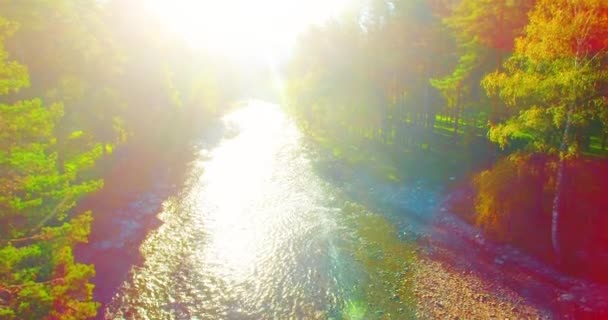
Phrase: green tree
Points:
(454, 86)
(38, 276)
(72, 60)
(493, 24)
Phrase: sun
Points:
(242, 27)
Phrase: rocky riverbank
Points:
(463, 275)
(445, 293)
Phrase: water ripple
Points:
(255, 234)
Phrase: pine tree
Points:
(39, 278)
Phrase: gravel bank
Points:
(444, 293)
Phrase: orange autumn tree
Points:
(551, 88)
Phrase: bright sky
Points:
(243, 27)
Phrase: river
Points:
(267, 226)
(258, 232)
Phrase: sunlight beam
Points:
(243, 27)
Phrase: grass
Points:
(595, 148)
(435, 156)
(435, 159)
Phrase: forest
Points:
(77, 83)
(511, 96)
(506, 102)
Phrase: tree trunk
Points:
(495, 99)
(558, 189)
(456, 121)
(457, 112)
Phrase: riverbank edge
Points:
(137, 181)
(589, 302)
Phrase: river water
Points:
(260, 232)
(267, 226)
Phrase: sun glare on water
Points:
(243, 27)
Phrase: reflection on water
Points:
(256, 234)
